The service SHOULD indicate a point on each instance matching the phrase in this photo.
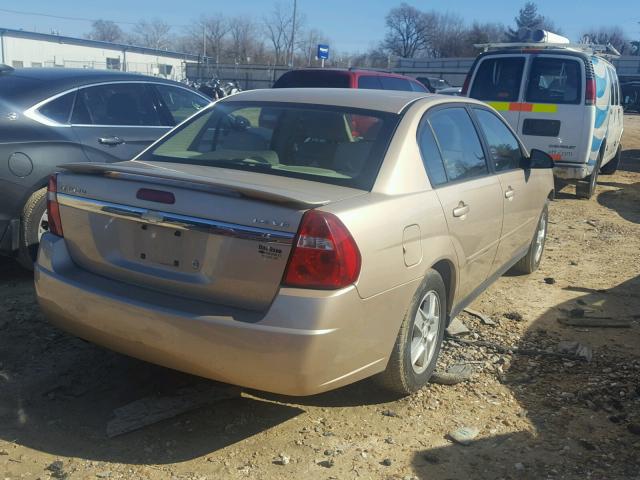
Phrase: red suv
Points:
(347, 78)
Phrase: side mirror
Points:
(538, 159)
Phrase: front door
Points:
(516, 183)
(116, 121)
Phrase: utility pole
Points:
(204, 41)
(293, 30)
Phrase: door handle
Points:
(110, 140)
(461, 210)
(509, 193)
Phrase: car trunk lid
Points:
(218, 235)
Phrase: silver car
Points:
(296, 240)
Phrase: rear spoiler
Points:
(152, 174)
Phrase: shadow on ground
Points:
(581, 422)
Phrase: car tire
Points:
(531, 261)
(404, 374)
(33, 214)
(587, 187)
(611, 167)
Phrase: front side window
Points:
(59, 109)
(498, 79)
(181, 103)
(459, 144)
(334, 145)
(503, 145)
(126, 104)
(554, 80)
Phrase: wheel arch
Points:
(446, 268)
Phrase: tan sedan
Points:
(296, 240)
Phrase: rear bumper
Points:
(306, 343)
(572, 171)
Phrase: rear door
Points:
(498, 80)
(116, 121)
(552, 116)
(470, 195)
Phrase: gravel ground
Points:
(532, 411)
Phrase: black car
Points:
(433, 84)
(58, 115)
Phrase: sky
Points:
(351, 25)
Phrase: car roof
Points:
(392, 101)
(38, 84)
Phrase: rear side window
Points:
(369, 82)
(418, 87)
(393, 83)
(59, 110)
(554, 80)
(126, 104)
(503, 145)
(334, 145)
(313, 79)
(431, 155)
(459, 144)
(498, 79)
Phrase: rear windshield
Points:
(333, 145)
(498, 79)
(313, 79)
(554, 80)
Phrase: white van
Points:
(563, 99)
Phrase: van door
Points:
(552, 116)
(498, 80)
(614, 131)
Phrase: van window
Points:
(498, 79)
(313, 79)
(369, 82)
(393, 83)
(554, 80)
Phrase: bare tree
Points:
(214, 29)
(242, 39)
(153, 34)
(308, 44)
(450, 36)
(409, 31)
(277, 29)
(105, 31)
(613, 35)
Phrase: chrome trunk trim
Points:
(175, 220)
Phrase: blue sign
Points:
(323, 52)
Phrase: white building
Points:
(19, 48)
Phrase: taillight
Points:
(465, 85)
(324, 255)
(590, 92)
(53, 208)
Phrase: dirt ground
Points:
(540, 415)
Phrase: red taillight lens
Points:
(465, 85)
(590, 92)
(324, 256)
(158, 196)
(53, 208)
